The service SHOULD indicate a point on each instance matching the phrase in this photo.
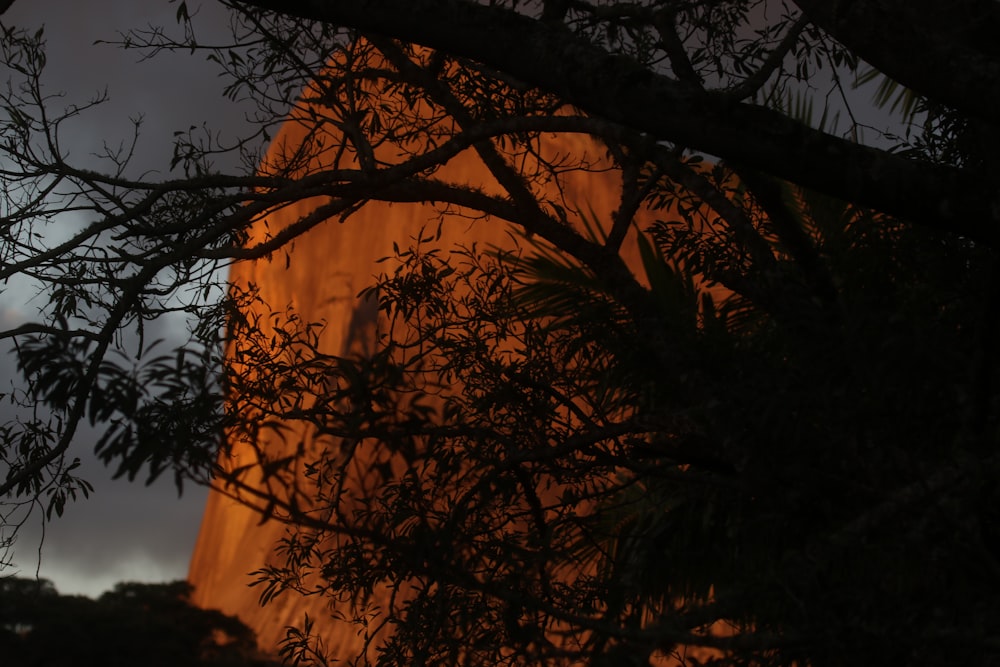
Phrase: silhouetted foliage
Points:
(769, 440)
(135, 624)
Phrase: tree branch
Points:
(621, 90)
(945, 51)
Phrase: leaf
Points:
(658, 274)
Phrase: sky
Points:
(125, 531)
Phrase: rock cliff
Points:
(320, 279)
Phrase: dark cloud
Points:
(171, 91)
(126, 530)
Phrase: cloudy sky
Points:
(125, 531)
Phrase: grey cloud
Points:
(126, 530)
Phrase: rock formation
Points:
(318, 277)
(326, 269)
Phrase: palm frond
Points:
(891, 94)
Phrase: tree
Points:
(779, 421)
(135, 624)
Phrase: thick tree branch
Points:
(946, 51)
(621, 90)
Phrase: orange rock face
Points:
(326, 269)
(318, 277)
